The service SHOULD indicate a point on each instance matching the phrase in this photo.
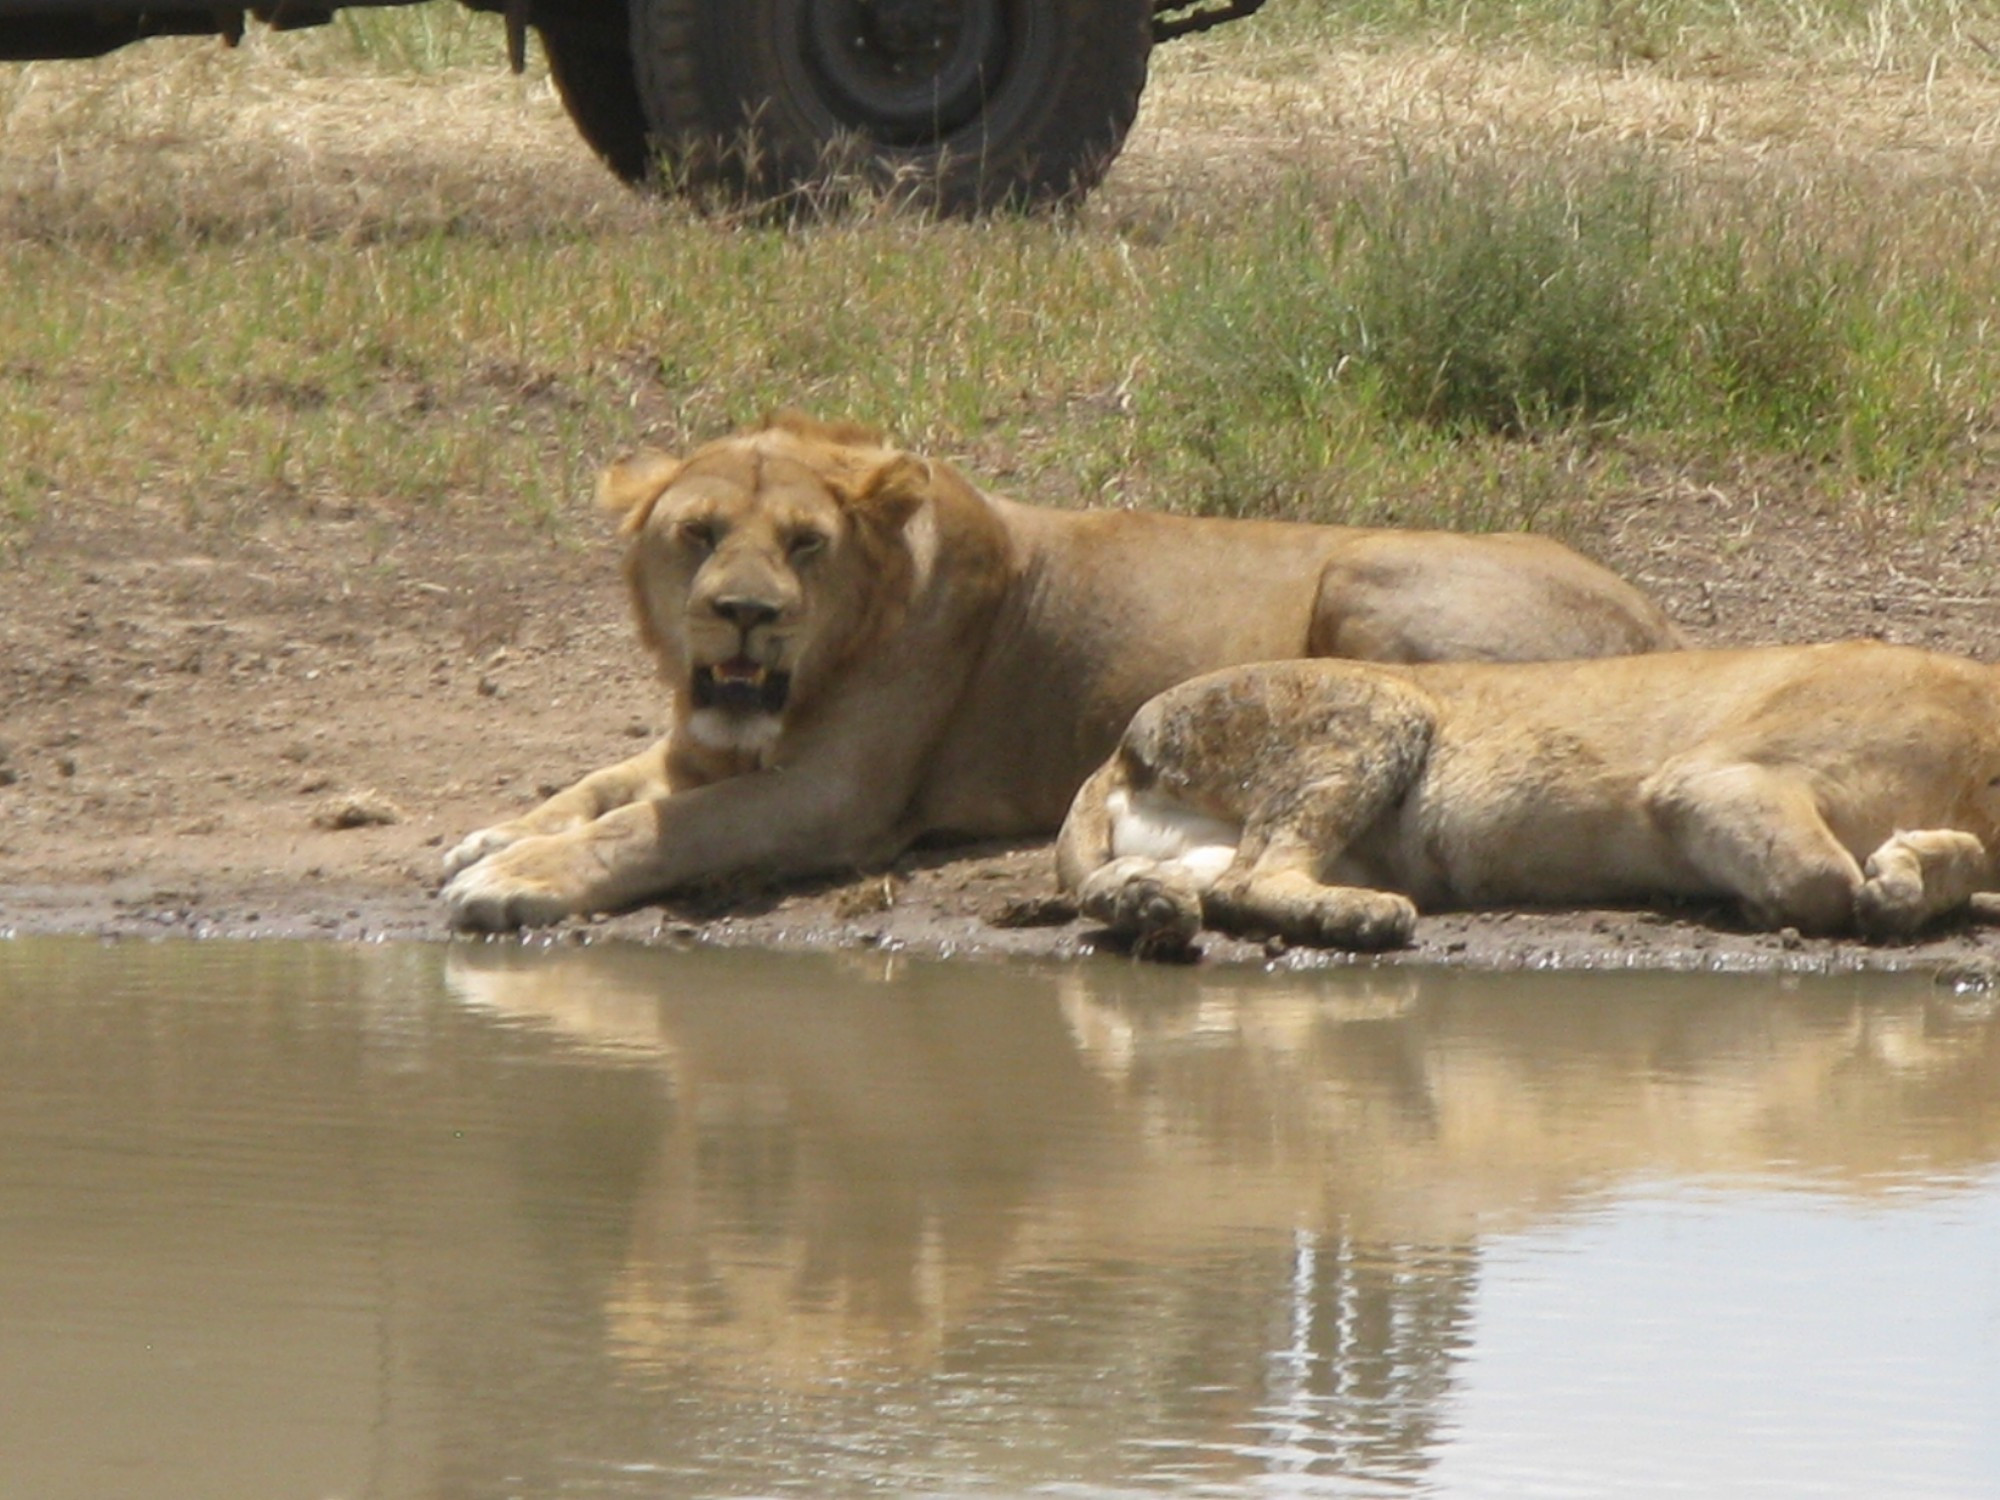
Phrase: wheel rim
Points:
(906, 72)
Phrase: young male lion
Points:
(864, 649)
(1836, 788)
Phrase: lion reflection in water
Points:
(865, 1159)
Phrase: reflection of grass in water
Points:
(364, 267)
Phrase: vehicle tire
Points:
(591, 65)
(964, 105)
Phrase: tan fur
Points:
(1836, 788)
(958, 663)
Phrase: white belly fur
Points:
(1152, 827)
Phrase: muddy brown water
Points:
(317, 1220)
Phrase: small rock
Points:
(356, 810)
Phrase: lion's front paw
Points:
(474, 847)
(505, 890)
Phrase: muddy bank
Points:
(987, 904)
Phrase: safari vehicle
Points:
(973, 104)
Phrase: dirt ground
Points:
(278, 732)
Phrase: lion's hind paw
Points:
(1366, 921)
(1915, 878)
(1155, 906)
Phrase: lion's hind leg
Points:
(1345, 781)
(1917, 877)
(1755, 833)
(1278, 886)
(1293, 905)
(1156, 857)
(1308, 755)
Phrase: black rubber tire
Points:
(794, 102)
(590, 62)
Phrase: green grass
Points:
(1452, 306)
(1500, 333)
(423, 40)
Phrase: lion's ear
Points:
(890, 493)
(631, 485)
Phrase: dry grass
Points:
(184, 140)
(361, 270)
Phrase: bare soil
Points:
(277, 731)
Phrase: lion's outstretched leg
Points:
(1756, 833)
(1917, 877)
(541, 878)
(636, 779)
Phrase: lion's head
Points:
(762, 563)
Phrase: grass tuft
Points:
(1481, 302)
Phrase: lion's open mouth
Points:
(740, 685)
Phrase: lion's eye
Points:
(700, 535)
(805, 544)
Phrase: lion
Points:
(863, 650)
(1845, 788)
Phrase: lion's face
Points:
(760, 565)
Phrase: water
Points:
(315, 1221)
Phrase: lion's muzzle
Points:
(740, 685)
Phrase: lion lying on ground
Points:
(864, 649)
(1852, 787)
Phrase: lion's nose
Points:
(745, 614)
